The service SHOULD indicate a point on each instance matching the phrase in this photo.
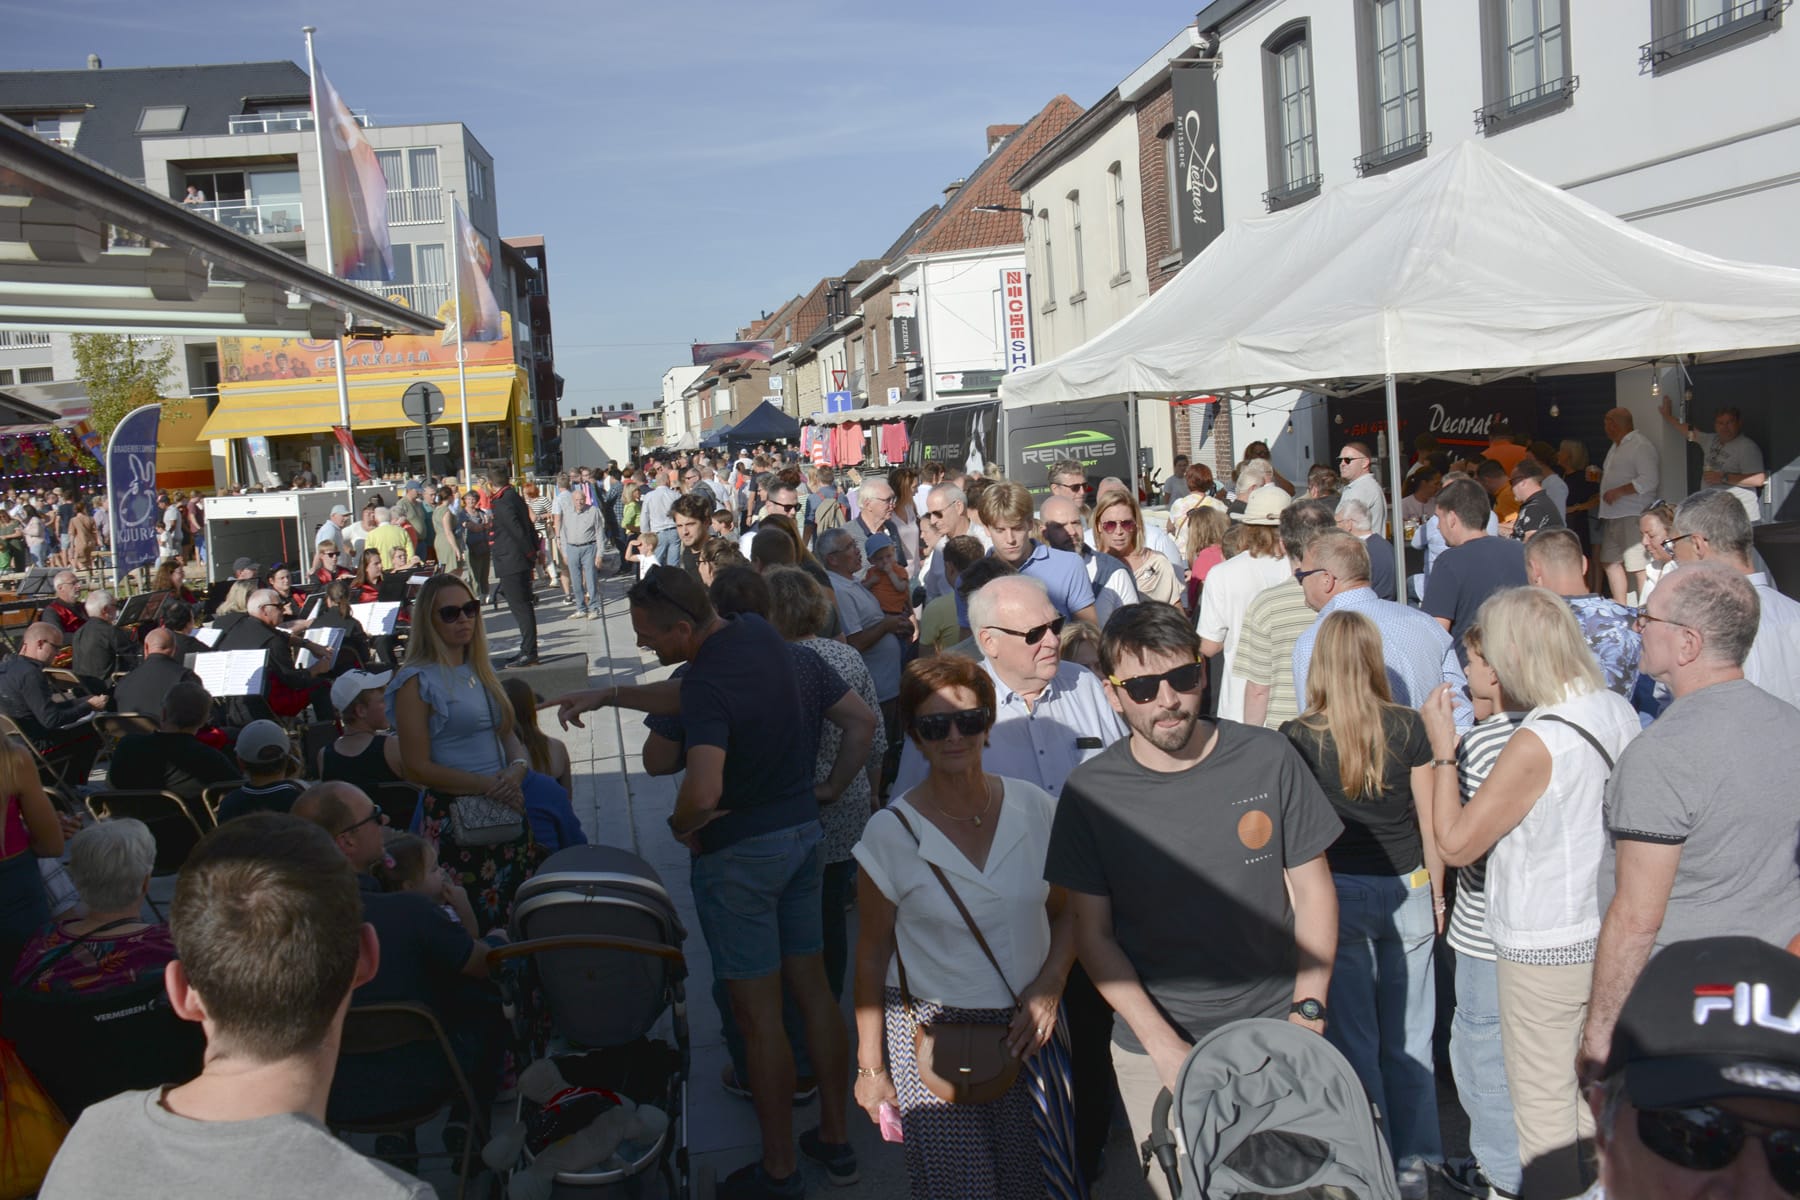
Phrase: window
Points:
(1393, 104)
(1527, 69)
(393, 168)
(1115, 178)
(36, 375)
(478, 179)
(1172, 186)
(422, 167)
(1079, 259)
(1049, 261)
(1686, 31)
(1288, 98)
(162, 118)
(6, 375)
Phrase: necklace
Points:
(976, 819)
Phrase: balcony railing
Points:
(11, 339)
(297, 120)
(424, 298)
(415, 206)
(1736, 18)
(243, 216)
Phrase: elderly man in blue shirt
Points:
(1051, 717)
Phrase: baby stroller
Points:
(1266, 1108)
(599, 943)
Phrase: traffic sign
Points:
(423, 403)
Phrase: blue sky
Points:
(690, 164)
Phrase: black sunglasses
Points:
(374, 815)
(1708, 1138)
(1035, 634)
(448, 613)
(1145, 688)
(1300, 576)
(786, 508)
(970, 722)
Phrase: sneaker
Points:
(1415, 1180)
(580, 614)
(753, 1183)
(838, 1159)
(1466, 1176)
(593, 616)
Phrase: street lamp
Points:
(1002, 208)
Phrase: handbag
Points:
(959, 1062)
(482, 820)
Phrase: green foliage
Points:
(121, 373)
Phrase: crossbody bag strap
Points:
(1590, 738)
(968, 918)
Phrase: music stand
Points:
(39, 581)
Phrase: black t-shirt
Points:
(1194, 864)
(1535, 515)
(1381, 832)
(1464, 576)
(741, 695)
(173, 762)
(422, 949)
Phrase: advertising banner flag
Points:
(474, 262)
(358, 463)
(131, 478)
(355, 190)
(711, 352)
(1015, 308)
(1197, 200)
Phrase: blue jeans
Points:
(668, 548)
(758, 901)
(1480, 1072)
(1383, 1004)
(584, 586)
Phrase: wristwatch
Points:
(1309, 1009)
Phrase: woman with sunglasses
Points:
(1373, 760)
(917, 960)
(328, 564)
(457, 739)
(1540, 813)
(1119, 525)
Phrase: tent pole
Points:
(1396, 478)
(1131, 439)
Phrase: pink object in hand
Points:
(890, 1124)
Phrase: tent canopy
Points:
(1456, 266)
(766, 423)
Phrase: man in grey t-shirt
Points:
(1700, 818)
(267, 921)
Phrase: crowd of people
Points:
(1096, 771)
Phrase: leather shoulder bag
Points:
(960, 1062)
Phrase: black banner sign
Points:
(1200, 207)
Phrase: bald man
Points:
(57, 727)
(1628, 484)
(148, 684)
(1065, 528)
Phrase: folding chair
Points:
(64, 680)
(214, 795)
(400, 801)
(113, 727)
(59, 788)
(171, 822)
(373, 1029)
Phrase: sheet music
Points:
(327, 640)
(208, 635)
(232, 672)
(377, 617)
(419, 580)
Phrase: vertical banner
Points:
(131, 479)
(1015, 316)
(355, 189)
(1199, 206)
(475, 295)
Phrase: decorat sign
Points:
(905, 305)
(1015, 314)
(1199, 205)
(906, 325)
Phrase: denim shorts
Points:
(758, 901)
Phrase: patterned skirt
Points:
(1019, 1147)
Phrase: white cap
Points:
(351, 684)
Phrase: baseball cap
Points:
(262, 744)
(1709, 1019)
(876, 543)
(1264, 507)
(246, 564)
(351, 684)
(340, 510)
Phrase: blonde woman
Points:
(1373, 759)
(1539, 811)
(458, 738)
(1119, 530)
(237, 598)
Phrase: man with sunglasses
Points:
(946, 512)
(1700, 1096)
(1356, 465)
(57, 727)
(1701, 827)
(875, 514)
(1334, 577)
(260, 629)
(1179, 846)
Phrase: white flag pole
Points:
(337, 343)
(462, 373)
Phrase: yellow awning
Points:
(265, 410)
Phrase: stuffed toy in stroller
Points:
(567, 1129)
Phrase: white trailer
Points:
(266, 527)
(596, 446)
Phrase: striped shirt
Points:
(1475, 758)
(1273, 625)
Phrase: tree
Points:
(121, 373)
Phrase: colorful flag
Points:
(711, 352)
(480, 311)
(355, 190)
(358, 463)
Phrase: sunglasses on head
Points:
(1036, 633)
(448, 613)
(1709, 1138)
(970, 722)
(1145, 688)
(655, 588)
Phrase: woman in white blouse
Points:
(989, 836)
(1540, 811)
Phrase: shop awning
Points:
(277, 411)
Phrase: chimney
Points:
(951, 188)
(999, 133)
(93, 62)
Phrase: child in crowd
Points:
(885, 578)
(938, 628)
(724, 524)
(412, 866)
(642, 552)
(553, 821)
